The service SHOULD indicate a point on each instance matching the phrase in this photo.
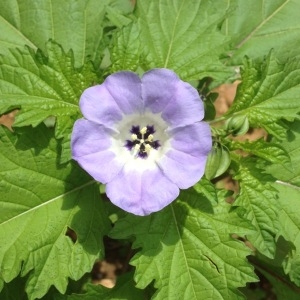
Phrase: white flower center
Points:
(141, 140)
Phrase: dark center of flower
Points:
(142, 141)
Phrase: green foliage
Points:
(269, 151)
(270, 25)
(188, 250)
(272, 270)
(53, 216)
(74, 25)
(207, 189)
(288, 171)
(251, 294)
(124, 289)
(268, 93)
(288, 185)
(218, 162)
(282, 289)
(258, 198)
(14, 290)
(182, 36)
(44, 86)
(40, 202)
(126, 49)
(237, 125)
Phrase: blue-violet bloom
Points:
(142, 137)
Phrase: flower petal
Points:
(141, 193)
(193, 139)
(90, 144)
(178, 101)
(98, 105)
(183, 169)
(184, 163)
(125, 88)
(106, 103)
(157, 88)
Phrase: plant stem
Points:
(217, 120)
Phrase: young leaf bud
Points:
(218, 161)
(237, 125)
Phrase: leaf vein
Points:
(19, 33)
(250, 35)
(173, 35)
(182, 249)
(50, 201)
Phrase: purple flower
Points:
(143, 138)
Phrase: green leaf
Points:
(188, 250)
(182, 35)
(282, 288)
(116, 17)
(124, 7)
(288, 185)
(44, 86)
(289, 172)
(269, 92)
(207, 189)
(124, 289)
(253, 293)
(14, 290)
(290, 227)
(271, 24)
(273, 271)
(126, 49)
(269, 151)
(259, 199)
(74, 25)
(41, 203)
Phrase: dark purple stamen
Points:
(135, 129)
(142, 154)
(150, 129)
(129, 144)
(142, 151)
(155, 145)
